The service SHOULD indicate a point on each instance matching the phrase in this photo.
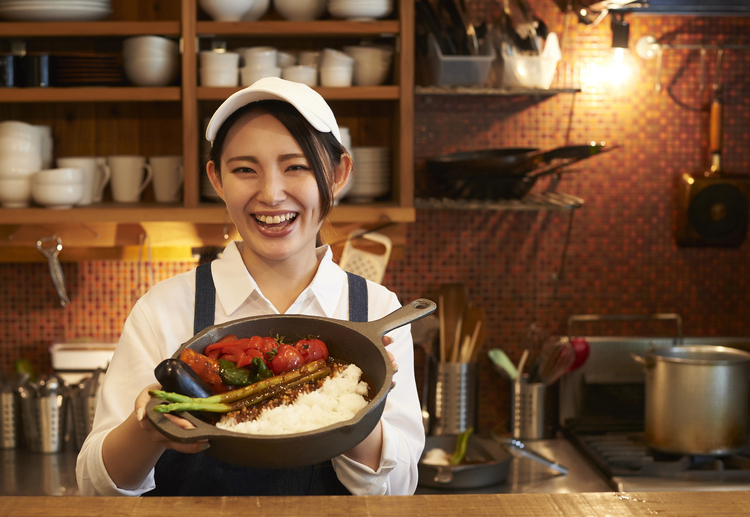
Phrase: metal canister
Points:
(455, 400)
(44, 421)
(10, 418)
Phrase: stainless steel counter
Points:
(28, 474)
(529, 477)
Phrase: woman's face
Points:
(269, 188)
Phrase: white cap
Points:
(308, 102)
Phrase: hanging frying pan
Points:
(712, 204)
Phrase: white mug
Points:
(168, 177)
(101, 162)
(128, 179)
(95, 176)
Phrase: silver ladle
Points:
(55, 269)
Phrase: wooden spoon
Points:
(453, 306)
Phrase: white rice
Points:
(338, 399)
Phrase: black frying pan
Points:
(507, 173)
(358, 343)
(493, 462)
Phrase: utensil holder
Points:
(10, 416)
(527, 411)
(44, 423)
(83, 408)
(455, 399)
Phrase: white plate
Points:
(52, 13)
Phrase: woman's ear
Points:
(215, 179)
(342, 176)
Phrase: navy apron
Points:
(180, 474)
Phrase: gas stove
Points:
(601, 414)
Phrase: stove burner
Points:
(625, 453)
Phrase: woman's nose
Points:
(272, 189)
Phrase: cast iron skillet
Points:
(493, 469)
(353, 342)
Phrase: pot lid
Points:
(701, 354)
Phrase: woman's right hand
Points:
(145, 424)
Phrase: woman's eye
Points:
(298, 167)
(243, 170)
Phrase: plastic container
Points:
(459, 70)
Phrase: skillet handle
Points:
(173, 431)
(410, 312)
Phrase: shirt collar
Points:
(234, 285)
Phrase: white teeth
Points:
(275, 219)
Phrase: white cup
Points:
(168, 175)
(264, 57)
(309, 58)
(46, 144)
(301, 74)
(95, 176)
(128, 179)
(249, 75)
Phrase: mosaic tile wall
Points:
(621, 257)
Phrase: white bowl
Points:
(300, 10)
(285, 59)
(148, 45)
(226, 10)
(333, 57)
(249, 75)
(19, 144)
(350, 10)
(15, 192)
(265, 57)
(211, 59)
(300, 74)
(260, 7)
(57, 196)
(339, 76)
(61, 176)
(151, 71)
(19, 165)
(17, 129)
(219, 77)
(309, 58)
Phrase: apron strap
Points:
(358, 310)
(205, 298)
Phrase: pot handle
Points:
(410, 312)
(643, 361)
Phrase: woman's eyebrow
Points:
(253, 159)
(243, 159)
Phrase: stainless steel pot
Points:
(696, 399)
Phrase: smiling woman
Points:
(277, 162)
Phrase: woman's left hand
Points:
(387, 341)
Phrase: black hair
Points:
(322, 150)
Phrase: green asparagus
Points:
(254, 397)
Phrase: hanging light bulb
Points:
(622, 67)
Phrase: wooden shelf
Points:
(85, 29)
(298, 29)
(216, 214)
(91, 94)
(502, 92)
(353, 93)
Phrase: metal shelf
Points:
(540, 201)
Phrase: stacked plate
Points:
(86, 69)
(372, 174)
(54, 10)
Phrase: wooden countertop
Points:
(663, 504)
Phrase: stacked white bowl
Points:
(227, 10)
(57, 188)
(259, 8)
(372, 63)
(219, 68)
(257, 63)
(300, 10)
(372, 174)
(20, 157)
(336, 68)
(360, 9)
(150, 60)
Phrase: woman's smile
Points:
(276, 225)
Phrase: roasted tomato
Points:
(287, 358)
(269, 346)
(312, 349)
(207, 369)
(247, 358)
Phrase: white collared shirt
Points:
(163, 319)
